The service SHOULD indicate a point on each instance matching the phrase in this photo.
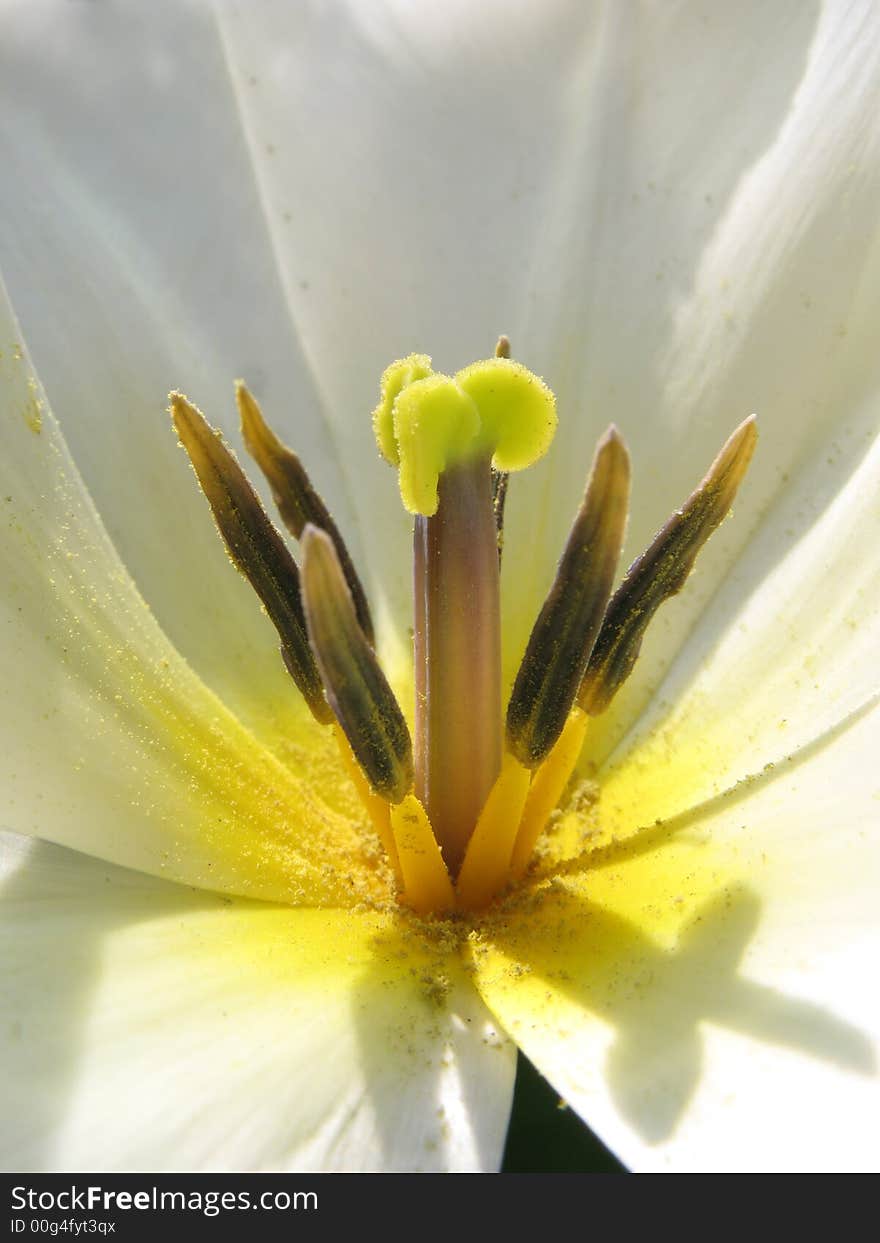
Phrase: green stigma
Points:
(395, 378)
(427, 423)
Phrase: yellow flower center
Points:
(459, 807)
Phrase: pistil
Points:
(453, 439)
(457, 651)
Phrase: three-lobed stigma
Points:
(427, 423)
(460, 805)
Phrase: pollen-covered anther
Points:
(374, 729)
(356, 688)
(254, 545)
(563, 636)
(292, 490)
(653, 577)
(662, 570)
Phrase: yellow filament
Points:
(546, 789)
(426, 884)
(486, 866)
(376, 807)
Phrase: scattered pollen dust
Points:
(33, 411)
(33, 407)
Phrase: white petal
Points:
(706, 999)
(672, 214)
(135, 250)
(786, 652)
(151, 1028)
(402, 153)
(108, 741)
(428, 178)
(712, 253)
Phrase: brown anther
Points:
(298, 502)
(254, 545)
(356, 687)
(563, 636)
(661, 571)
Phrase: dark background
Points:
(546, 1137)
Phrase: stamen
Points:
(486, 866)
(426, 884)
(563, 636)
(254, 545)
(297, 501)
(662, 570)
(670, 558)
(499, 497)
(500, 477)
(377, 808)
(356, 687)
(547, 788)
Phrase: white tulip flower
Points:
(672, 211)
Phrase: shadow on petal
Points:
(654, 1064)
(53, 926)
(149, 1026)
(575, 958)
